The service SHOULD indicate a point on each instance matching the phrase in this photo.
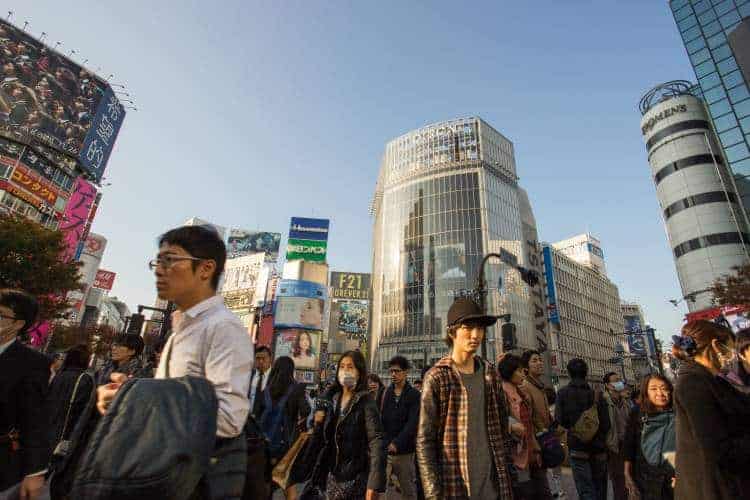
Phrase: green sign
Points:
(314, 251)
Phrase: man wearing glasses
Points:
(400, 416)
(208, 341)
(24, 448)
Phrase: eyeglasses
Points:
(3, 316)
(395, 371)
(168, 261)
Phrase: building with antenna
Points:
(699, 200)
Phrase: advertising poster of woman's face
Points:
(303, 346)
(298, 312)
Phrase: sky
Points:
(250, 113)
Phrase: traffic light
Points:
(136, 324)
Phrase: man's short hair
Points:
(607, 376)
(129, 340)
(577, 368)
(263, 348)
(399, 361)
(508, 366)
(526, 356)
(202, 242)
(24, 306)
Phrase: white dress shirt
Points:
(210, 342)
(254, 386)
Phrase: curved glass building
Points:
(446, 195)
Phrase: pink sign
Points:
(38, 334)
(76, 215)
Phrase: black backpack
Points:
(155, 441)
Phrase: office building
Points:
(584, 249)
(446, 195)
(708, 31)
(700, 205)
(585, 317)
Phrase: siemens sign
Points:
(680, 108)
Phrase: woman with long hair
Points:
(649, 434)
(349, 438)
(303, 351)
(376, 388)
(283, 412)
(713, 439)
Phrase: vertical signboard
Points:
(349, 316)
(554, 315)
(76, 216)
(98, 143)
(308, 239)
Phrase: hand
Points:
(518, 430)
(319, 417)
(631, 486)
(674, 482)
(537, 458)
(372, 495)
(31, 487)
(392, 449)
(106, 393)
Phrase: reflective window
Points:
(727, 66)
(741, 167)
(711, 29)
(719, 108)
(742, 109)
(691, 33)
(731, 137)
(737, 152)
(733, 79)
(700, 56)
(738, 94)
(729, 20)
(706, 17)
(722, 52)
(724, 7)
(705, 68)
(725, 122)
(745, 10)
(695, 45)
(717, 40)
(745, 124)
(698, 199)
(709, 81)
(701, 6)
(682, 13)
(714, 94)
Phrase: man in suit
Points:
(258, 474)
(24, 446)
(259, 379)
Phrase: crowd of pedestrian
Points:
(469, 430)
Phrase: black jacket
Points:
(400, 419)
(572, 401)
(296, 411)
(59, 400)
(23, 388)
(654, 481)
(713, 437)
(351, 445)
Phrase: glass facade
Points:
(705, 26)
(446, 195)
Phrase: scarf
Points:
(657, 436)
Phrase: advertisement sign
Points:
(28, 198)
(348, 326)
(350, 286)
(53, 101)
(303, 346)
(308, 239)
(104, 279)
(314, 251)
(241, 273)
(298, 312)
(632, 323)
(637, 344)
(243, 242)
(299, 288)
(95, 245)
(76, 215)
(304, 376)
(736, 317)
(554, 315)
(34, 185)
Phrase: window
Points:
(720, 107)
(709, 81)
(711, 29)
(705, 68)
(745, 124)
(738, 94)
(742, 109)
(705, 18)
(717, 40)
(715, 94)
(692, 33)
(722, 52)
(701, 6)
(726, 66)
(738, 152)
(733, 79)
(731, 137)
(729, 20)
(745, 10)
(700, 56)
(724, 7)
(725, 122)
(696, 44)
(682, 13)
(741, 167)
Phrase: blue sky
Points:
(252, 112)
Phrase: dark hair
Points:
(577, 368)
(526, 356)
(202, 242)
(418, 381)
(607, 376)
(23, 305)
(697, 337)
(129, 340)
(263, 348)
(77, 358)
(508, 366)
(646, 405)
(359, 364)
(450, 332)
(399, 361)
(281, 377)
(373, 377)
(297, 350)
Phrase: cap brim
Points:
(482, 319)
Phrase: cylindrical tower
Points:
(696, 192)
(446, 195)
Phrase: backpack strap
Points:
(70, 405)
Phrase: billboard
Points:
(549, 275)
(47, 99)
(243, 242)
(241, 273)
(303, 346)
(308, 239)
(350, 286)
(298, 312)
(76, 216)
(104, 279)
(348, 325)
(300, 288)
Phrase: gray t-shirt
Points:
(481, 468)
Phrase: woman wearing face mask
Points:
(713, 439)
(351, 460)
(649, 434)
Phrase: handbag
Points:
(63, 445)
(553, 453)
(282, 470)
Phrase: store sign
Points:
(554, 315)
(308, 239)
(28, 198)
(104, 279)
(651, 123)
(350, 286)
(314, 251)
(35, 185)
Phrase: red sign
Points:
(104, 279)
(34, 184)
(28, 198)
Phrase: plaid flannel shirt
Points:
(445, 419)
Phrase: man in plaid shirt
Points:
(463, 440)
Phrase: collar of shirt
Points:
(4, 346)
(200, 308)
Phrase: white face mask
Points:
(619, 386)
(347, 379)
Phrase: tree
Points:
(97, 337)
(733, 289)
(30, 261)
